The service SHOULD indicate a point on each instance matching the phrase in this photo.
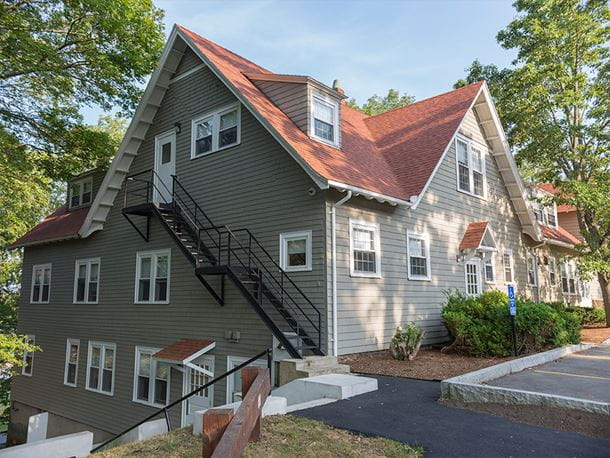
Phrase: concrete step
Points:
(332, 386)
(291, 369)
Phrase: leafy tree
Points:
(558, 99)
(60, 55)
(377, 104)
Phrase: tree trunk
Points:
(604, 282)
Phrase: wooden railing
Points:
(225, 432)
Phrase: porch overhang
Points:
(184, 351)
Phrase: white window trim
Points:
(491, 257)
(426, 239)
(553, 262)
(154, 254)
(81, 186)
(233, 361)
(34, 268)
(87, 262)
(571, 274)
(32, 340)
(478, 263)
(509, 252)
(284, 238)
(326, 100)
(103, 346)
(484, 153)
(365, 225)
(153, 371)
(536, 280)
(215, 115)
(69, 343)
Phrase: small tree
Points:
(377, 104)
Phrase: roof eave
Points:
(41, 242)
(382, 198)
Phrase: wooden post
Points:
(215, 422)
(248, 375)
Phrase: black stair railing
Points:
(165, 410)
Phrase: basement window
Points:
(81, 192)
(325, 119)
(295, 251)
(216, 130)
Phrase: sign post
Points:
(512, 304)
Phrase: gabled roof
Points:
(62, 224)
(559, 234)
(552, 189)
(185, 350)
(474, 236)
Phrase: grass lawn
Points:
(283, 436)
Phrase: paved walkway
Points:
(407, 410)
(584, 375)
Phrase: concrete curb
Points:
(469, 387)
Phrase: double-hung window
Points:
(152, 277)
(81, 192)
(418, 254)
(568, 278)
(551, 215)
(151, 381)
(553, 271)
(490, 269)
(532, 274)
(295, 251)
(41, 284)
(216, 130)
(325, 119)
(71, 370)
(471, 176)
(28, 358)
(87, 281)
(100, 367)
(507, 263)
(365, 249)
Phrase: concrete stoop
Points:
(309, 366)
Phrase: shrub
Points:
(588, 316)
(481, 325)
(406, 342)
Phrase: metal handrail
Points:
(267, 352)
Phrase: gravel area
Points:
(586, 423)
(429, 364)
(595, 334)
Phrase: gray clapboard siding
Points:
(291, 98)
(255, 185)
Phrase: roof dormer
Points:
(314, 107)
(82, 188)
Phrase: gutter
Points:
(333, 216)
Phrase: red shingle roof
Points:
(181, 350)
(559, 234)
(61, 224)
(392, 154)
(552, 189)
(473, 235)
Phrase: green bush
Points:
(588, 316)
(481, 325)
(406, 342)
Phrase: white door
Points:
(165, 167)
(473, 277)
(196, 379)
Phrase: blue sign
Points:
(512, 301)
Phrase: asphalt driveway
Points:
(407, 410)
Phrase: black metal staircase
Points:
(218, 251)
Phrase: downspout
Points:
(333, 219)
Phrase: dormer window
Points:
(81, 192)
(551, 215)
(325, 119)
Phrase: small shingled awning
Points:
(184, 350)
(478, 236)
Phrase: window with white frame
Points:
(100, 367)
(473, 277)
(551, 214)
(471, 176)
(71, 369)
(152, 277)
(295, 251)
(568, 277)
(81, 192)
(41, 283)
(365, 249)
(28, 358)
(87, 281)
(151, 378)
(490, 269)
(552, 271)
(507, 263)
(325, 119)
(532, 274)
(216, 130)
(234, 391)
(418, 256)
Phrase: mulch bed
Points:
(595, 334)
(589, 424)
(429, 364)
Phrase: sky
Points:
(419, 47)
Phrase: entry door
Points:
(473, 277)
(165, 167)
(196, 379)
